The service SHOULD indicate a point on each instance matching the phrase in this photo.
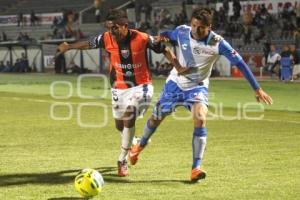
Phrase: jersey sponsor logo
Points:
(125, 53)
(129, 66)
(198, 50)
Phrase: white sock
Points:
(127, 136)
(199, 144)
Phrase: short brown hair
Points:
(204, 15)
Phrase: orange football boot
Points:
(197, 174)
(133, 155)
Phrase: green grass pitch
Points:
(245, 159)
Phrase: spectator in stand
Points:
(33, 18)
(247, 22)
(165, 19)
(16, 66)
(24, 64)
(267, 50)
(4, 36)
(20, 19)
(280, 11)
(296, 57)
(72, 29)
(236, 9)
(97, 6)
(2, 66)
(226, 7)
(147, 9)
(297, 12)
(287, 29)
(268, 25)
(286, 53)
(294, 54)
(60, 63)
(23, 37)
(273, 60)
(222, 17)
(8, 67)
(156, 68)
(180, 18)
(97, 15)
(145, 27)
(297, 38)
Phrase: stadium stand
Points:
(25, 6)
(249, 33)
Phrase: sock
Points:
(199, 142)
(147, 134)
(127, 136)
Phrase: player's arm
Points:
(77, 45)
(235, 59)
(159, 47)
(93, 43)
(174, 61)
(172, 35)
(169, 35)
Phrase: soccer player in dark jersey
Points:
(129, 74)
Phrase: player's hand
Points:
(261, 96)
(161, 38)
(63, 47)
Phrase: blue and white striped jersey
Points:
(200, 56)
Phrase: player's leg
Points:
(127, 136)
(164, 106)
(199, 111)
(119, 124)
(150, 127)
(168, 99)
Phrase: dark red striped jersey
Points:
(129, 65)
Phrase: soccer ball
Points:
(89, 182)
(137, 140)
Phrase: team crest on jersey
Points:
(197, 50)
(125, 53)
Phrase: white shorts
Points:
(139, 96)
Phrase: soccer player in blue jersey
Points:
(199, 48)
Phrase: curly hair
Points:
(117, 16)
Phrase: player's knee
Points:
(199, 115)
(199, 120)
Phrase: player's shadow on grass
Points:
(111, 178)
(59, 177)
(67, 176)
